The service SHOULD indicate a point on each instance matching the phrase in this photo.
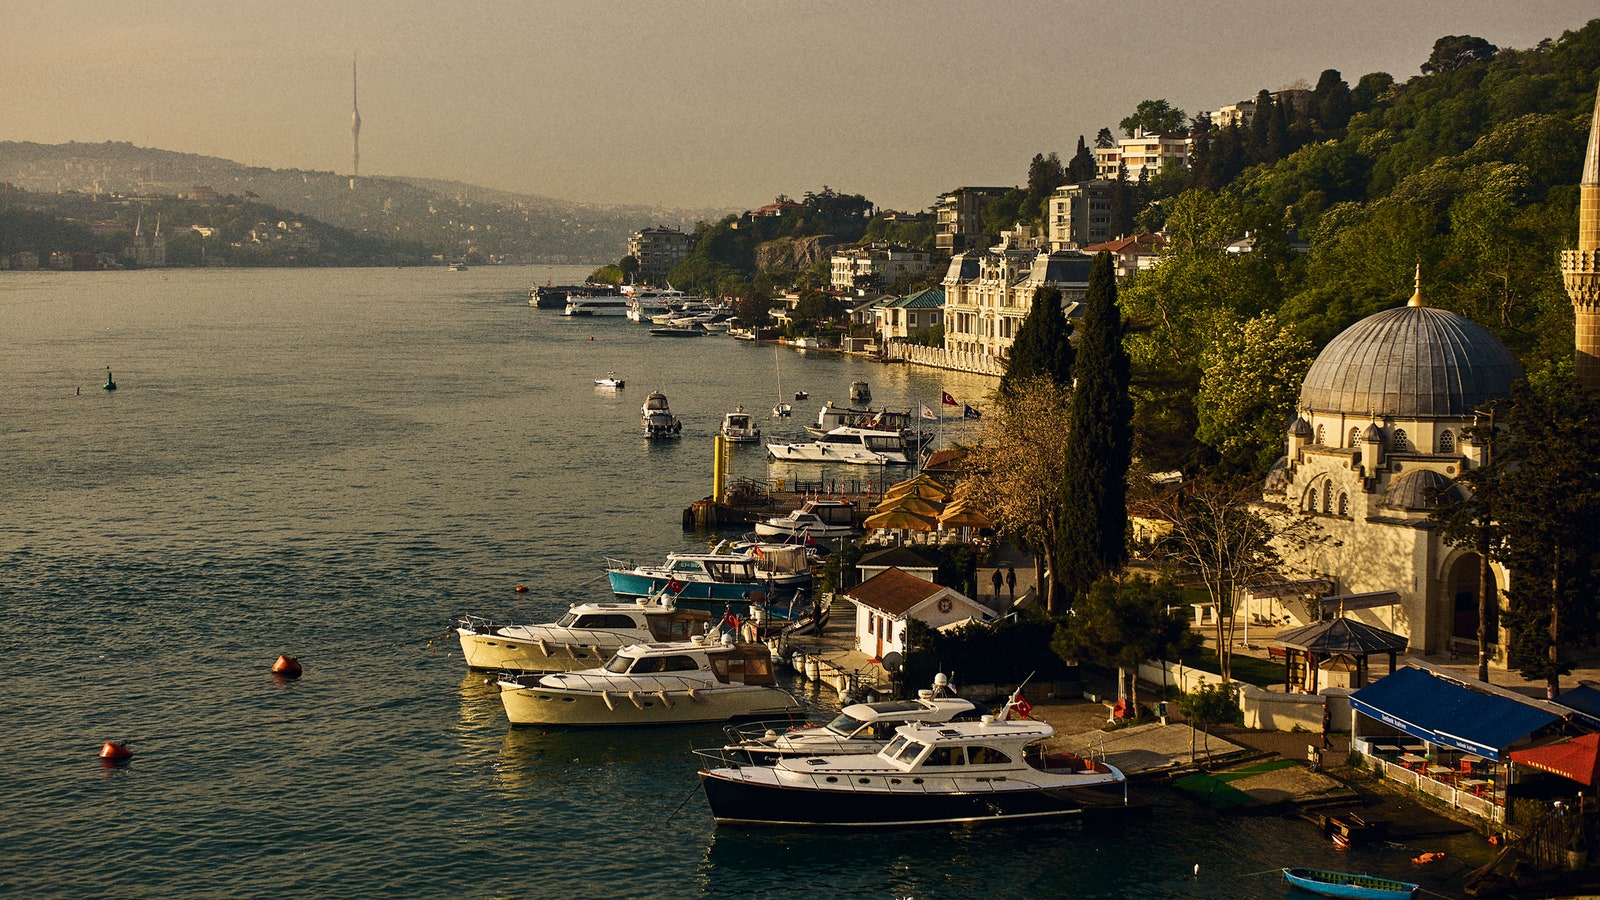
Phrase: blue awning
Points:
(1443, 712)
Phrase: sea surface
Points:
(336, 464)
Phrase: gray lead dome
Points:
(1413, 362)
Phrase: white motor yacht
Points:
(659, 422)
(859, 727)
(740, 427)
(945, 773)
(588, 635)
(858, 446)
(817, 518)
(655, 683)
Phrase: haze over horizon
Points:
(695, 104)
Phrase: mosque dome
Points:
(1412, 362)
(1419, 491)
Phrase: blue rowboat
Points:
(1346, 884)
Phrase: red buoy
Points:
(522, 589)
(287, 666)
(115, 752)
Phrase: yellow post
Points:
(719, 467)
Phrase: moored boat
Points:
(693, 330)
(858, 446)
(596, 306)
(817, 518)
(946, 773)
(657, 417)
(858, 728)
(743, 582)
(860, 392)
(1348, 884)
(588, 635)
(740, 427)
(610, 381)
(654, 683)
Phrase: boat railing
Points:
(878, 782)
(643, 683)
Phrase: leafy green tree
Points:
(1081, 166)
(1248, 392)
(1043, 345)
(1154, 117)
(1045, 174)
(1330, 102)
(1465, 518)
(1208, 706)
(1546, 494)
(1369, 90)
(1123, 624)
(1092, 538)
(1451, 52)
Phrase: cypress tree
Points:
(1043, 344)
(1092, 537)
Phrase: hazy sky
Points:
(694, 103)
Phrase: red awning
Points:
(1577, 758)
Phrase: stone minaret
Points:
(1581, 267)
(355, 128)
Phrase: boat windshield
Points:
(567, 620)
(618, 665)
(844, 725)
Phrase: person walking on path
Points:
(1327, 727)
(997, 579)
(1011, 581)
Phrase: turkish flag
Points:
(675, 586)
(1022, 707)
(949, 400)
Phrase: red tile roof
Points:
(893, 591)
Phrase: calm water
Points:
(336, 464)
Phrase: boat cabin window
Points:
(606, 620)
(910, 751)
(731, 571)
(986, 756)
(679, 664)
(687, 565)
(671, 629)
(567, 620)
(618, 665)
(946, 756)
(876, 442)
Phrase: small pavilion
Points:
(1337, 646)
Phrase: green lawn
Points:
(1248, 669)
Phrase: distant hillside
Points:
(453, 218)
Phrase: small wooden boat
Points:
(1346, 884)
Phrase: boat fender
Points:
(633, 696)
(693, 695)
(606, 697)
(665, 700)
(1432, 856)
(572, 650)
(543, 647)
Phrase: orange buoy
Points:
(287, 666)
(115, 752)
(522, 589)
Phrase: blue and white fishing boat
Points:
(719, 581)
(1346, 884)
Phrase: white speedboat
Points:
(817, 518)
(655, 683)
(858, 446)
(588, 635)
(659, 422)
(644, 303)
(949, 773)
(859, 727)
(610, 381)
(740, 427)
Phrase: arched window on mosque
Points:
(1322, 435)
(1447, 442)
(1312, 504)
(1344, 504)
(1355, 437)
(1327, 498)
(1401, 442)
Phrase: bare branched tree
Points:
(1015, 470)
